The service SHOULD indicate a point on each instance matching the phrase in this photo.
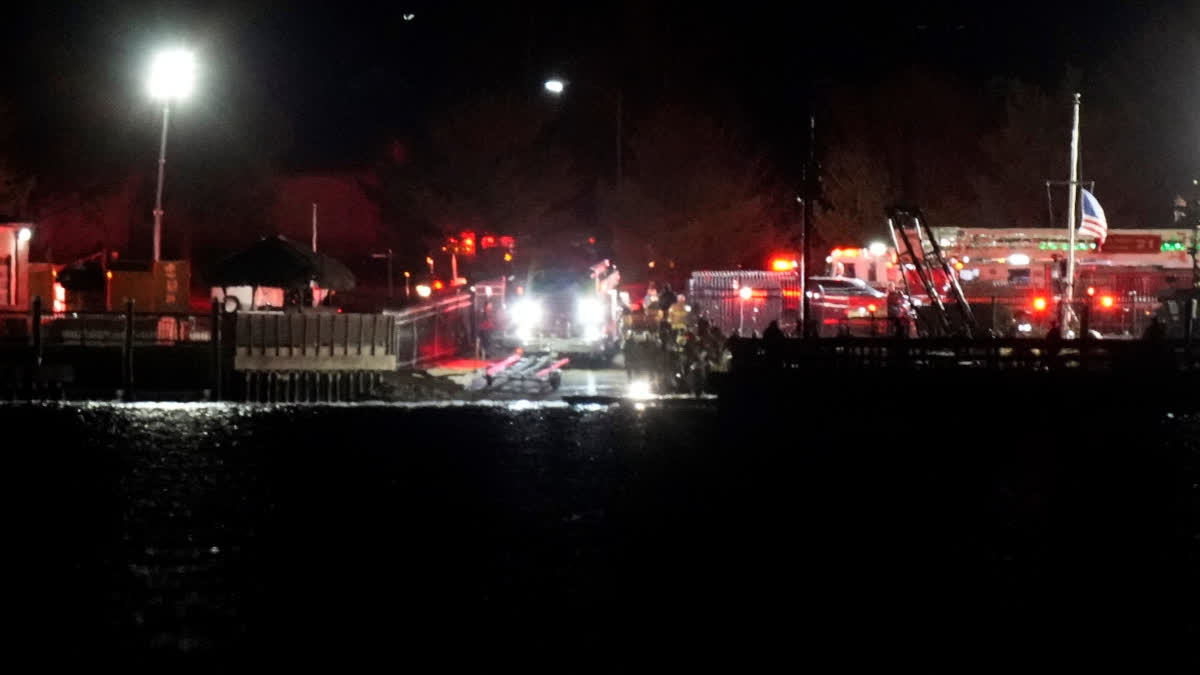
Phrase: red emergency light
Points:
(1039, 304)
(1107, 301)
(468, 243)
(438, 285)
(507, 242)
(1091, 290)
(487, 241)
(783, 264)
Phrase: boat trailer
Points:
(524, 372)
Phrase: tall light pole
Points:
(1066, 312)
(172, 76)
(557, 86)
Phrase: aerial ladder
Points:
(919, 251)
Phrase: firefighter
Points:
(486, 327)
(773, 333)
(896, 310)
(650, 300)
(677, 314)
(666, 299)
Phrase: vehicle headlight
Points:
(590, 311)
(527, 313)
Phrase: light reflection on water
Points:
(195, 514)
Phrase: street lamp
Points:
(172, 76)
(557, 86)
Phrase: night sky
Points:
(323, 86)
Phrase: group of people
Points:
(668, 342)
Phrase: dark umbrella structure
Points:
(279, 262)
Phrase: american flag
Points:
(1094, 224)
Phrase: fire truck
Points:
(878, 266)
(1024, 270)
(566, 309)
(1027, 268)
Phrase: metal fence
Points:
(718, 296)
(437, 330)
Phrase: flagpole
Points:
(1073, 185)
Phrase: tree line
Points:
(698, 189)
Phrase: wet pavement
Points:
(592, 382)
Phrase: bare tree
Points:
(696, 197)
(486, 166)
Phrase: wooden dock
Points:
(251, 356)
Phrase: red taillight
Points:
(437, 285)
(1039, 304)
(1107, 301)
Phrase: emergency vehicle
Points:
(1024, 268)
(1139, 261)
(878, 266)
(562, 308)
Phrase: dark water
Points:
(601, 539)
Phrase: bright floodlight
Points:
(877, 248)
(24, 234)
(640, 390)
(172, 75)
(555, 85)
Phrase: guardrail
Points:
(437, 330)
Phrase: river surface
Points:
(600, 538)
